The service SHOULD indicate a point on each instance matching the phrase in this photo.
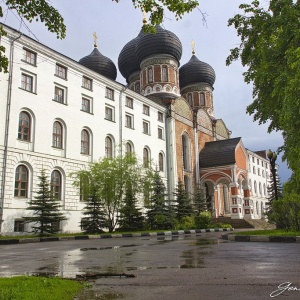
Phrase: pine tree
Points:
(200, 200)
(131, 217)
(159, 214)
(271, 192)
(46, 209)
(95, 216)
(183, 205)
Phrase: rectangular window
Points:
(160, 117)
(87, 83)
(160, 133)
(129, 102)
(258, 161)
(146, 127)
(109, 93)
(109, 113)
(61, 71)
(253, 159)
(27, 82)
(129, 121)
(59, 94)
(146, 110)
(258, 171)
(29, 57)
(19, 226)
(86, 105)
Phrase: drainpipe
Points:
(7, 118)
(196, 147)
(168, 149)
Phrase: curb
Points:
(261, 238)
(108, 236)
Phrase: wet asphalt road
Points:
(186, 267)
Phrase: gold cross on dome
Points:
(95, 39)
(193, 47)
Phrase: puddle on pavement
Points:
(94, 295)
(109, 248)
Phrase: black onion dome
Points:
(162, 42)
(196, 71)
(127, 60)
(100, 64)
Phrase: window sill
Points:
(28, 63)
(110, 120)
(90, 113)
(23, 141)
(128, 107)
(129, 127)
(91, 90)
(66, 79)
(85, 154)
(31, 92)
(59, 102)
(57, 148)
(146, 133)
(112, 99)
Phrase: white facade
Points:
(258, 179)
(32, 89)
(57, 115)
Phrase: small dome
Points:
(100, 64)
(163, 42)
(127, 60)
(196, 71)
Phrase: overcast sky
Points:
(118, 23)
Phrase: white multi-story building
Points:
(59, 115)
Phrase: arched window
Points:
(146, 157)
(85, 142)
(202, 99)
(128, 148)
(264, 188)
(186, 183)
(257, 208)
(137, 87)
(164, 74)
(56, 185)
(190, 99)
(24, 126)
(21, 181)
(57, 135)
(108, 147)
(185, 152)
(161, 162)
(150, 75)
(259, 186)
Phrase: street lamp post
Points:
(272, 156)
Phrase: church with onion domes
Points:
(59, 114)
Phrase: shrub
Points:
(220, 225)
(203, 220)
(286, 212)
(186, 223)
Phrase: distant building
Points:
(59, 114)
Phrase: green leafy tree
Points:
(160, 215)
(46, 210)
(33, 10)
(269, 50)
(200, 200)
(131, 217)
(183, 202)
(156, 8)
(110, 177)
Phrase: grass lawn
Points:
(274, 232)
(38, 288)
